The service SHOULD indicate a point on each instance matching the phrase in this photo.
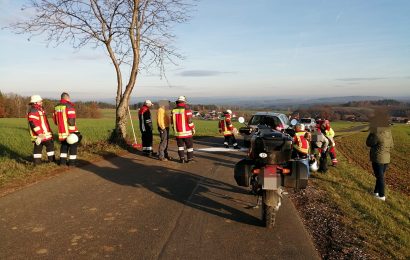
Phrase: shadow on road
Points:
(192, 190)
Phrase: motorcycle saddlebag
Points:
(242, 172)
(298, 179)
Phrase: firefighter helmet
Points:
(313, 166)
(35, 99)
(181, 99)
(300, 127)
(148, 102)
(229, 111)
(72, 139)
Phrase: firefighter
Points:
(320, 146)
(184, 129)
(226, 127)
(144, 116)
(65, 118)
(300, 142)
(330, 134)
(163, 122)
(40, 130)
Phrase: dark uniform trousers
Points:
(38, 150)
(68, 149)
(188, 142)
(146, 137)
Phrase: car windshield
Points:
(270, 121)
(305, 120)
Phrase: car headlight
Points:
(263, 155)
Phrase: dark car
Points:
(276, 121)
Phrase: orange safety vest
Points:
(64, 117)
(182, 121)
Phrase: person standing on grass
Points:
(184, 129)
(163, 120)
(65, 118)
(144, 116)
(328, 131)
(40, 130)
(319, 144)
(380, 141)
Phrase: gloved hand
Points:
(193, 131)
(42, 136)
(80, 136)
(38, 140)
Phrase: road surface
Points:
(134, 207)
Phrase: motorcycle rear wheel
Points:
(268, 211)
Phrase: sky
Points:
(237, 48)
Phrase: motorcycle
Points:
(268, 167)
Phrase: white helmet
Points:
(229, 111)
(72, 139)
(300, 127)
(313, 166)
(181, 99)
(35, 99)
(148, 102)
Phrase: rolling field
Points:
(383, 226)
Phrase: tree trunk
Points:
(120, 132)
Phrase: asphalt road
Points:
(134, 207)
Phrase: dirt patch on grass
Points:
(332, 236)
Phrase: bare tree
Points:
(136, 34)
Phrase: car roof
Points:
(267, 114)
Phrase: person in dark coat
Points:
(144, 116)
(380, 141)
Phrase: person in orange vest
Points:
(184, 129)
(64, 117)
(144, 116)
(330, 134)
(300, 142)
(40, 130)
(226, 127)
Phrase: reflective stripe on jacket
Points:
(65, 118)
(144, 116)
(300, 143)
(38, 123)
(225, 125)
(182, 121)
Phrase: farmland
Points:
(16, 148)
(383, 227)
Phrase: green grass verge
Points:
(384, 226)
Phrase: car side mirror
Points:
(293, 122)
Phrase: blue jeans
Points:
(379, 169)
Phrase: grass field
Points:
(16, 147)
(384, 225)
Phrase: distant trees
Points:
(13, 105)
(356, 110)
